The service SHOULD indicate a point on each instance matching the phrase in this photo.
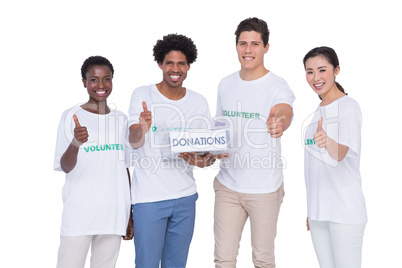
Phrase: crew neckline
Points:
(96, 114)
(184, 98)
(255, 81)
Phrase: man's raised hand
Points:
(275, 124)
(145, 118)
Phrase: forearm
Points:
(136, 136)
(284, 111)
(335, 150)
(69, 158)
(129, 178)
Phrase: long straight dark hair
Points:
(330, 55)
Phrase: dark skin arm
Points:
(130, 228)
(138, 131)
(69, 158)
(201, 161)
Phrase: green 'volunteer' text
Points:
(309, 142)
(241, 114)
(105, 147)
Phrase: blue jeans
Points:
(163, 231)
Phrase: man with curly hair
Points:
(163, 188)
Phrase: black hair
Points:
(253, 24)
(330, 55)
(175, 42)
(95, 60)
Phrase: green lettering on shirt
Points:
(241, 114)
(104, 147)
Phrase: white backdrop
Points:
(45, 42)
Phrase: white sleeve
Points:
(350, 124)
(284, 94)
(64, 137)
(127, 147)
(135, 109)
(206, 111)
(220, 119)
(219, 111)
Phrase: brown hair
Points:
(253, 24)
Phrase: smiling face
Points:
(320, 75)
(251, 50)
(174, 68)
(98, 83)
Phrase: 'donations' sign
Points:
(198, 141)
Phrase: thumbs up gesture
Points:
(145, 118)
(80, 133)
(275, 124)
(320, 136)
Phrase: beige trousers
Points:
(73, 251)
(231, 212)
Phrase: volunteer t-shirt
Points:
(157, 175)
(255, 162)
(96, 193)
(334, 188)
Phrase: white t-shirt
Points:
(334, 191)
(96, 193)
(156, 175)
(255, 163)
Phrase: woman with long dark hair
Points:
(336, 206)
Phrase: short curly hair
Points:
(176, 42)
(95, 60)
(253, 24)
